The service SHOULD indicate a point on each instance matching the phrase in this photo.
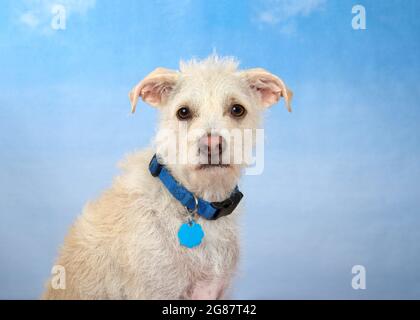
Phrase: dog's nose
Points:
(212, 145)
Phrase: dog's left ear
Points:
(269, 87)
(154, 89)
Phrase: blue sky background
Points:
(341, 184)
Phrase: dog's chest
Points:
(211, 264)
(174, 270)
(213, 260)
(217, 252)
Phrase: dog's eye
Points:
(184, 113)
(237, 110)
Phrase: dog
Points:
(168, 229)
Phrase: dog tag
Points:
(190, 234)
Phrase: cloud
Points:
(29, 19)
(285, 12)
(38, 14)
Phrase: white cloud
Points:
(36, 14)
(29, 19)
(285, 12)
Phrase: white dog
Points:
(168, 229)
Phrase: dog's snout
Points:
(212, 145)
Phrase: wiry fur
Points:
(124, 245)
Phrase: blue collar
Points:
(208, 210)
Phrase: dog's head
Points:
(205, 109)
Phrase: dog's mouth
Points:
(212, 166)
(212, 162)
(212, 159)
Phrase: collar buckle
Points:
(227, 206)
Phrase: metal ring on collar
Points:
(195, 207)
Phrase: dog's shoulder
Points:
(135, 175)
(128, 200)
(137, 160)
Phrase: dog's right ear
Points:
(154, 89)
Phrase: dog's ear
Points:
(154, 89)
(269, 87)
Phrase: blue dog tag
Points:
(190, 234)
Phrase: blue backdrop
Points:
(341, 185)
